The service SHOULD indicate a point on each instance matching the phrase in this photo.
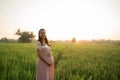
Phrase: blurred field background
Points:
(85, 61)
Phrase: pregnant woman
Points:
(45, 64)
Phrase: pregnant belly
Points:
(51, 58)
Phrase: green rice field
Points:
(72, 61)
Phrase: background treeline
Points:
(29, 37)
(6, 40)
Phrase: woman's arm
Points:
(43, 58)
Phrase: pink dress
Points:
(43, 71)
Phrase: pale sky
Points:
(62, 19)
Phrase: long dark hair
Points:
(40, 39)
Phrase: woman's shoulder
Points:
(38, 42)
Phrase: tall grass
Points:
(72, 61)
(89, 62)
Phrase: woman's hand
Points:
(49, 64)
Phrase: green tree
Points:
(6, 40)
(25, 36)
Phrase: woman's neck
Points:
(43, 40)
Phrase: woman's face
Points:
(42, 34)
